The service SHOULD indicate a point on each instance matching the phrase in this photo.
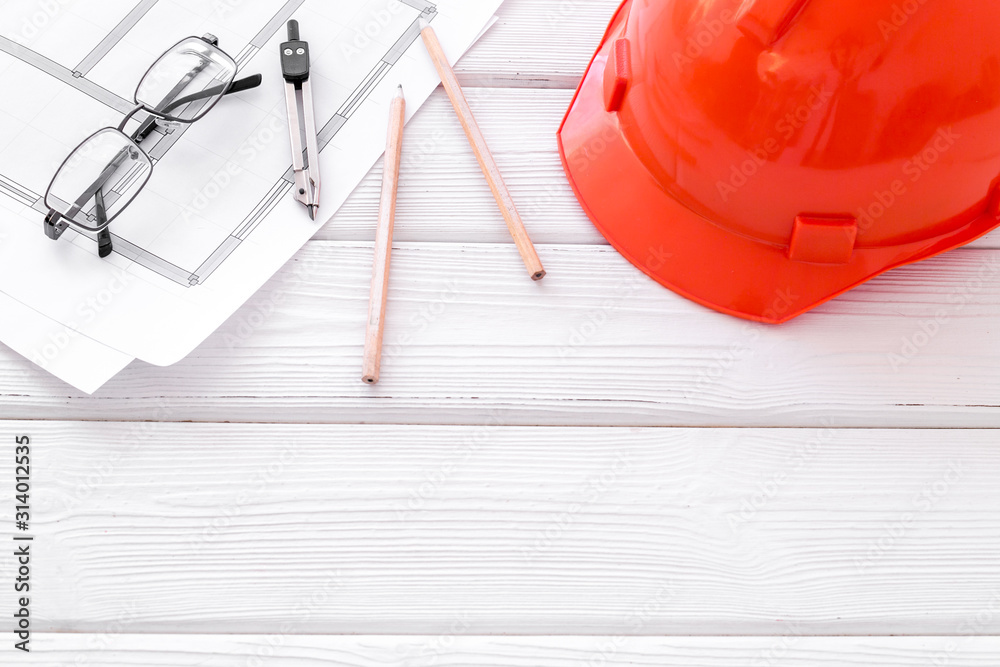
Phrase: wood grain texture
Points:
(538, 44)
(193, 528)
(442, 195)
(481, 150)
(378, 300)
(111, 650)
(599, 344)
(454, 532)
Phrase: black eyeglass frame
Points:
(56, 223)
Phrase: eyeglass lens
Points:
(99, 179)
(187, 81)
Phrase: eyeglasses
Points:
(109, 169)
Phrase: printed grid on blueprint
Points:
(216, 219)
(182, 225)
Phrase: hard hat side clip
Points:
(617, 75)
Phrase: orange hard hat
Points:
(763, 156)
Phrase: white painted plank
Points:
(538, 44)
(233, 528)
(443, 196)
(534, 45)
(110, 649)
(595, 343)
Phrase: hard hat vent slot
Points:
(617, 75)
(823, 240)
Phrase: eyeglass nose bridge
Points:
(147, 125)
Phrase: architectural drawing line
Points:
(411, 35)
(15, 195)
(366, 88)
(329, 131)
(273, 26)
(65, 75)
(77, 80)
(273, 195)
(149, 260)
(112, 39)
(167, 137)
(422, 6)
(18, 191)
(278, 22)
(245, 56)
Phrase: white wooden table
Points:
(590, 470)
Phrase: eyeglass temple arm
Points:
(246, 83)
(237, 87)
(104, 244)
(96, 189)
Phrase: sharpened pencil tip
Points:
(399, 92)
(423, 24)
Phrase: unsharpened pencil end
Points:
(423, 23)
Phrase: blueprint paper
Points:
(217, 219)
(70, 356)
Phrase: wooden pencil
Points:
(383, 242)
(482, 151)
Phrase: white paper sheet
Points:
(217, 219)
(72, 357)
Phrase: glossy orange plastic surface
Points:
(763, 156)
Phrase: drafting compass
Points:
(301, 119)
